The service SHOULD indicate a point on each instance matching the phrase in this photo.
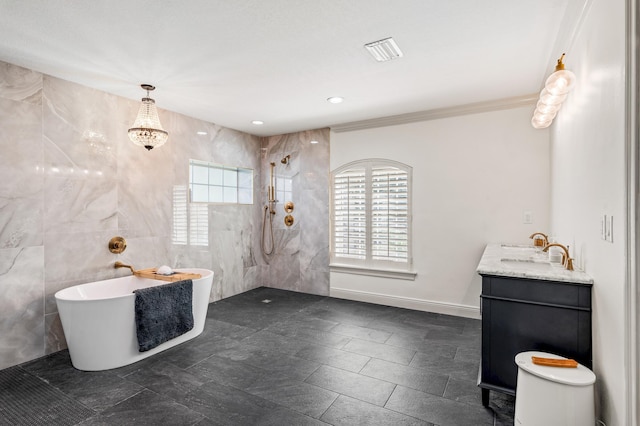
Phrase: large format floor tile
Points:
(275, 357)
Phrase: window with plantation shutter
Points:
(190, 220)
(371, 215)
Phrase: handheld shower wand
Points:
(269, 210)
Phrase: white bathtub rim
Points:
(73, 293)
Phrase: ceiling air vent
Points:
(384, 50)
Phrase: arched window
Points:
(371, 214)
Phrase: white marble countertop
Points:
(509, 260)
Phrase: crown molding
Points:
(435, 114)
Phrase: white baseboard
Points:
(407, 302)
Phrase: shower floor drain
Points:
(266, 301)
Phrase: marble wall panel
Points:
(315, 281)
(54, 334)
(314, 162)
(20, 84)
(143, 253)
(284, 272)
(183, 132)
(252, 277)
(21, 177)
(80, 204)
(21, 305)
(184, 256)
(75, 258)
(80, 128)
(228, 263)
(248, 236)
(314, 224)
(234, 148)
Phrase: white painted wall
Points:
(473, 176)
(588, 180)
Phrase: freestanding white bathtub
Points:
(98, 320)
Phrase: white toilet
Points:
(550, 396)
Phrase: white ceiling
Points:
(233, 61)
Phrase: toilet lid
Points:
(580, 376)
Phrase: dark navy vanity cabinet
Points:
(522, 314)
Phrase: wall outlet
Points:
(527, 217)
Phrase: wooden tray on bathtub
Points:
(176, 276)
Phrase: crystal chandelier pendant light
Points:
(147, 130)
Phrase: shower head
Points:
(285, 160)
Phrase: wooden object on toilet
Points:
(176, 276)
(554, 362)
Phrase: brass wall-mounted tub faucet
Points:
(119, 264)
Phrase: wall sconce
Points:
(551, 97)
(147, 130)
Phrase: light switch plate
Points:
(609, 228)
(527, 217)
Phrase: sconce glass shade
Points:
(540, 124)
(560, 82)
(544, 108)
(549, 99)
(147, 131)
(541, 116)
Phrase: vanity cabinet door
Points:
(523, 315)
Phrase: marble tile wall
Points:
(70, 180)
(300, 260)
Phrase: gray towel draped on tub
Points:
(163, 312)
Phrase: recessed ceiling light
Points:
(201, 133)
(384, 50)
(314, 142)
(335, 99)
(257, 122)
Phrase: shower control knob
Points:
(117, 245)
(288, 220)
(288, 206)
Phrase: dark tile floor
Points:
(297, 360)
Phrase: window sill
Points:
(384, 273)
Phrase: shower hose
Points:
(264, 228)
